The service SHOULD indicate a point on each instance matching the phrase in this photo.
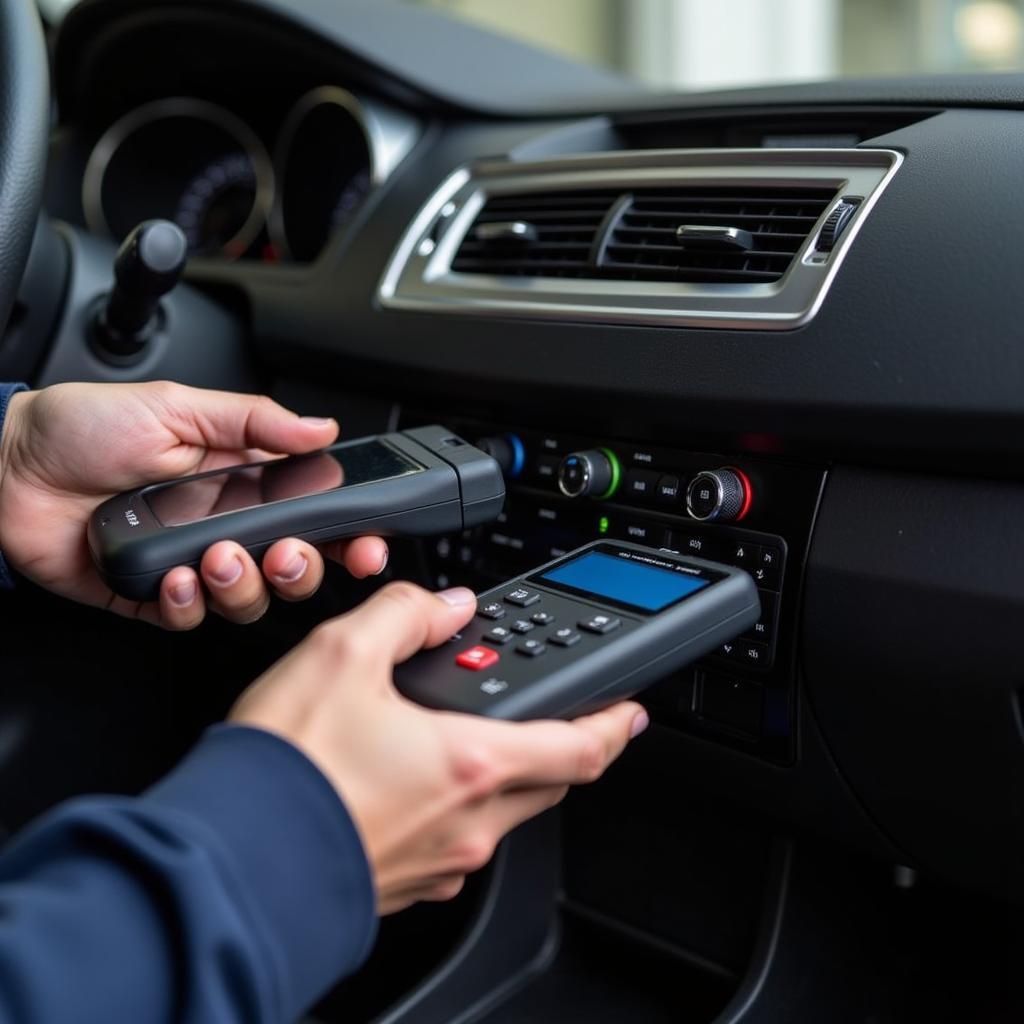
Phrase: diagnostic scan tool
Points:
(410, 483)
(583, 632)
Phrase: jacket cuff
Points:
(291, 846)
(6, 390)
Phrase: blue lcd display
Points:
(625, 581)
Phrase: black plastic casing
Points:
(597, 671)
(458, 487)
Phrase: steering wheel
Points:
(24, 123)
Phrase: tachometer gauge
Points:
(185, 160)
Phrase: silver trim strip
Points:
(419, 276)
(389, 136)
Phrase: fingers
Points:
(401, 618)
(363, 556)
(294, 569)
(235, 584)
(222, 419)
(181, 600)
(564, 753)
(511, 809)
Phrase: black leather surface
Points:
(24, 104)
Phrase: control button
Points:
(522, 626)
(753, 654)
(768, 572)
(498, 635)
(641, 483)
(764, 629)
(465, 554)
(644, 533)
(522, 597)
(564, 637)
(547, 467)
(743, 555)
(600, 624)
(595, 472)
(532, 648)
(718, 495)
(696, 544)
(668, 489)
(491, 610)
(477, 658)
(735, 703)
(443, 547)
(542, 618)
(730, 650)
(493, 686)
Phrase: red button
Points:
(477, 658)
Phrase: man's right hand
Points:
(431, 792)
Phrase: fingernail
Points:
(317, 421)
(457, 596)
(294, 570)
(640, 722)
(227, 572)
(183, 594)
(383, 562)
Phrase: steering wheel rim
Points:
(24, 123)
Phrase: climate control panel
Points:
(754, 512)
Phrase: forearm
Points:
(7, 392)
(234, 890)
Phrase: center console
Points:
(753, 512)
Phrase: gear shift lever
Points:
(148, 265)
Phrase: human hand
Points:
(431, 792)
(68, 447)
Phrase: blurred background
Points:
(699, 44)
(702, 44)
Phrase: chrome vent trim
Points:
(433, 267)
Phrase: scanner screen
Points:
(176, 504)
(626, 582)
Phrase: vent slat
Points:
(641, 244)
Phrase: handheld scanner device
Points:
(583, 632)
(410, 483)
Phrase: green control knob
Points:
(595, 472)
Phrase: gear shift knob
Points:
(148, 265)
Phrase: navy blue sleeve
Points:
(235, 890)
(6, 390)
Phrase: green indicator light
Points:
(603, 524)
(616, 467)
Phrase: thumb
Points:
(401, 618)
(224, 420)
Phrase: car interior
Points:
(809, 291)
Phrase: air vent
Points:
(707, 235)
(542, 235)
(760, 231)
(731, 238)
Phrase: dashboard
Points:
(814, 287)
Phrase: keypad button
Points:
(547, 467)
(668, 489)
(498, 635)
(729, 650)
(542, 618)
(532, 648)
(477, 658)
(742, 555)
(696, 544)
(768, 571)
(522, 597)
(523, 626)
(600, 624)
(493, 686)
(764, 629)
(564, 637)
(491, 610)
(641, 483)
(753, 654)
(644, 533)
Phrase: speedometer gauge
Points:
(185, 160)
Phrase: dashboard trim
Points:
(419, 276)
